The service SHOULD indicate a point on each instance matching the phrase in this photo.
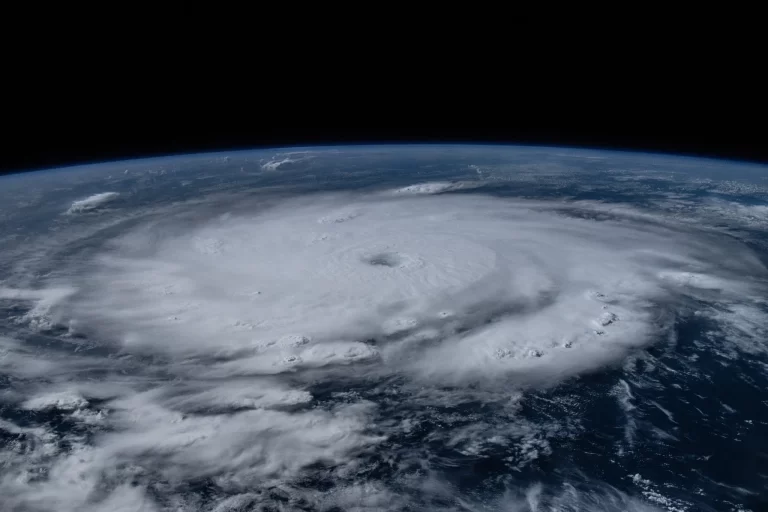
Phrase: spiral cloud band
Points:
(457, 288)
(221, 341)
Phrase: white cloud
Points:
(273, 165)
(283, 159)
(402, 262)
(435, 187)
(92, 202)
(64, 400)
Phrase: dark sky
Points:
(115, 91)
(92, 123)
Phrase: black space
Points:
(174, 83)
(155, 115)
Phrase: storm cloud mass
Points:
(327, 350)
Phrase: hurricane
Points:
(428, 344)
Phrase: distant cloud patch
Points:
(435, 187)
(92, 202)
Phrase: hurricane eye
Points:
(384, 259)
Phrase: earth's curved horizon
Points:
(388, 327)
